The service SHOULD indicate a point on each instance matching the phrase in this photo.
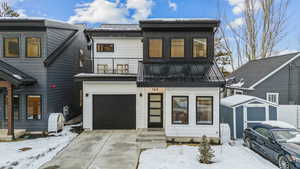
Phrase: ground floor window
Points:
(204, 110)
(180, 109)
(34, 107)
(16, 107)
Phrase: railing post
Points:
(113, 65)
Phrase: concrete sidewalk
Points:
(99, 150)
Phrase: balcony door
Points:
(155, 110)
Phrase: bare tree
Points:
(262, 28)
(7, 11)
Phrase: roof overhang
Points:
(104, 77)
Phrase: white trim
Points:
(276, 95)
(273, 72)
(234, 123)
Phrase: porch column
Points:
(10, 111)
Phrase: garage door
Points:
(114, 111)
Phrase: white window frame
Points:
(274, 94)
(238, 91)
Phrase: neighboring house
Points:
(158, 74)
(275, 79)
(38, 59)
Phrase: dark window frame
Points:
(4, 107)
(162, 47)
(113, 47)
(41, 106)
(187, 123)
(184, 47)
(212, 109)
(26, 46)
(206, 48)
(4, 49)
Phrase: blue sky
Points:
(94, 12)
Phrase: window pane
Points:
(180, 110)
(122, 68)
(16, 107)
(105, 47)
(204, 110)
(155, 48)
(33, 47)
(102, 68)
(156, 112)
(154, 97)
(34, 107)
(177, 48)
(155, 104)
(11, 47)
(199, 48)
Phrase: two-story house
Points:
(157, 74)
(38, 59)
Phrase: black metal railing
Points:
(115, 65)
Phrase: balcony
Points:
(179, 75)
(114, 65)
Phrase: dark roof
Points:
(118, 27)
(185, 23)
(116, 30)
(15, 76)
(255, 70)
(179, 75)
(30, 22)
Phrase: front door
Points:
(155, 110)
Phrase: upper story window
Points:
(177, 48)
(273, 97)
(11, 47)
(102, 47)
(199, 48)
(33, 47)
(155, 48)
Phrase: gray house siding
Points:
(60, 74)
(33, 67)
(55, 37)
(239, 121)
(285, 82)
(272, 113)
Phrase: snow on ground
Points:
(43, 150)
(186, 157)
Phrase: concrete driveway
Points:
(99, 150)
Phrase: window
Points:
(240, 92)
(16, 107)
(102, 68)
(155, 48)
(122, 68)
(101, 47)
(177, 48)
(34, 107)
(204, 110)
(33, 47)
(199, 48)
(11, 47)
(180, 110)
(263, 131)
(273, 97)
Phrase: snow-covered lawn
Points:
(42, 150)
(186, 157)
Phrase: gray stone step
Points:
(150, 139)
(150, 145)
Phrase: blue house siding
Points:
(256, 113)
(272, 113)
(55, 37)
(239, 121)
(285, 82)
(226, 115)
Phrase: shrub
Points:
(205, 151)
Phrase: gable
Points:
(255, 72)
(56, 37)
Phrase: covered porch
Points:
(11, 79)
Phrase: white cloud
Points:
(22, 13)
(239, 6)
(172, 5)
(142, 8)
(105, 11)
(237, 22)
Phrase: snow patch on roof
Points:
(179, 19)
(279, 124)
(236, 99)
(17, 76)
